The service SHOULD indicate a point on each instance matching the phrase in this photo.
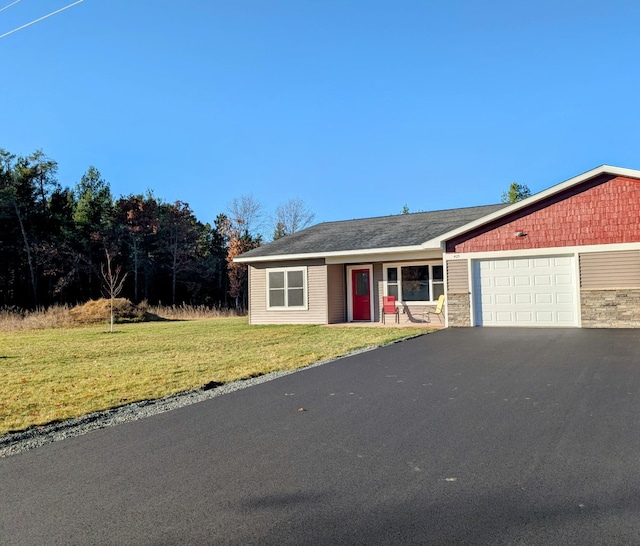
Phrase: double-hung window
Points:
(415, 282)
(287, 288)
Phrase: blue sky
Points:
(355, 106)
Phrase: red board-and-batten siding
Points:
(322, 309)
(605, 210)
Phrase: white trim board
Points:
(360, 254)
(546, 251)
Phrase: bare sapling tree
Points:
(248, 212)
(291, 216)
(113, 282)
(245, 217)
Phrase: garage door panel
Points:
(543, 298)
(566, 318)
(544, 316)
(542, 280)
(501, 281)
(486, 282)
(563, 261)
(536, 291)
(524, 318)
(488, 317)
(487, 299)
(563, 279)
(565, 298)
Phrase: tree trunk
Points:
(174, 272)
(27, 249)
(135, 270)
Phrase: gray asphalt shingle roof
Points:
(369, 233)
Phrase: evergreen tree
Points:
(516, 192)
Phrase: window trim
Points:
(399, 266)
(305, 289)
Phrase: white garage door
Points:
(525, 292)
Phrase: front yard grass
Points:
(49, 375)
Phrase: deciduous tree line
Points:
(54, 240)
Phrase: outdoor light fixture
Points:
(520, 234)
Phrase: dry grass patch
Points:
(18, 319)
(190, 312)
(50, 375)
(98, 311)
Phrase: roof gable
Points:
(602, 210)
(595, 176)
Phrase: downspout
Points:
(443, 247)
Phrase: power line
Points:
(37, 20)
(12, 4)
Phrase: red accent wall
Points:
(600, 212)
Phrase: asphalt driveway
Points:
(465, 436)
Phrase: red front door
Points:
(361, 297)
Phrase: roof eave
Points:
(334, 254)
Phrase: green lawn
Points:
(48, 375)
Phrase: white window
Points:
(414, 282)
(287, 288)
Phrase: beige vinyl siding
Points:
(378, 291)
(458, 276)
(257, 293)
(619, 269)
(316, 295)
(337, 294)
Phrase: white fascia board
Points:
(413, 255)
(603, 169)
(546, 251)
(339, 256)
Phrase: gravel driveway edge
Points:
(13, 443)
